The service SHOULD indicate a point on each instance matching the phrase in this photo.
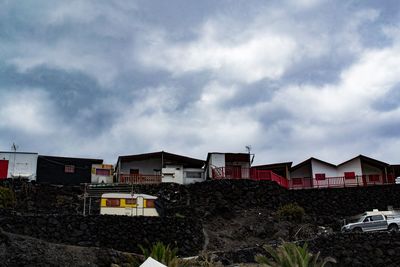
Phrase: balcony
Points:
(340, 182)
(300, 183)
(236, 172)
(139, 179)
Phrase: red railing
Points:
(248, 173)
(300, 183)
(340, 182)
(139, 179)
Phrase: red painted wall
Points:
(3, 169)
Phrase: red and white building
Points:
(358, 171)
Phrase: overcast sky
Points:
(293, 79)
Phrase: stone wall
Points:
(220, 197)
(116, 232)
(364, 249)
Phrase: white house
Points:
(159, 167)
(312, 173)
(364, 170)
(358, 171)
(18, 165)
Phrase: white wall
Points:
(21, 164)
(351, 166)
(172, 174)
(330, 171)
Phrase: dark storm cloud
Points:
(293, 78)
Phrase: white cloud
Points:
(248, 57)
(28, 111)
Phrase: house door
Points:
(3, 169)
(233, 172)
(140, 206)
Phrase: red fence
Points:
(248, 173)
(300, 183)
(139, 179)
(340, 182)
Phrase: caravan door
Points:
(140, 206)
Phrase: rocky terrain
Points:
(228, 220)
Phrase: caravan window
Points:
(130, 201)
(112, 202)
(150, 203)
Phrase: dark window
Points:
(377, 218)
(69, 169)
(130, 201)
(320, 176)
(150, 203)
(103, 172)
(349, 175)
(134, 171)
(367, 219)
(193, 174)
(112, 202)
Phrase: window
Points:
(112, 202)
(134, 171)
(367, 219)
(150, 203)
(69, 169)
(193, 175)
(377, 218)
(103, 172)
(349, 175)
(320, 176)
(130, 201)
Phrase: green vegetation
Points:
(7, 198)
(162, 253)
(292, 255)
(291, 212)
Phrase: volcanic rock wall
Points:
(116, 232)
(373, 249)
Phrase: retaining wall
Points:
(116, 232)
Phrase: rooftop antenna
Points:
(248, 148)
(14, 147)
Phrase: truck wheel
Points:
(393, 228)
(357, 230)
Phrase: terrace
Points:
(301, 183)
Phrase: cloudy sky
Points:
(293, 79)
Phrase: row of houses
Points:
(159, 167)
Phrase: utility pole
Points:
(14, 148)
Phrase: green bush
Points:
(7, 198)
(291, 212)
(292, 255)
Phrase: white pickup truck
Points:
(374, 221)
